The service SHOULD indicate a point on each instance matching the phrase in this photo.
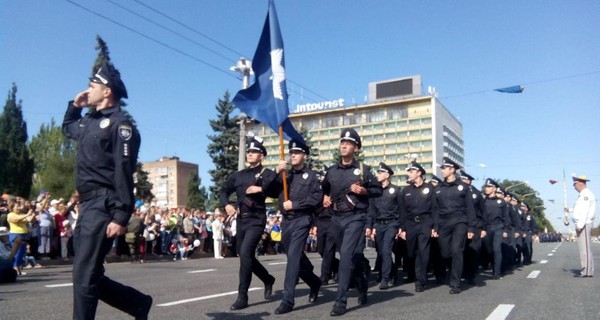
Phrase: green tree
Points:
(313, 161)
(337, 156)
(527, 194)
(54, 158)
(104, 57)
(224, 145)
(16, 167)
(196, 194)
(143, 186)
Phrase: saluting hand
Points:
(81, 100)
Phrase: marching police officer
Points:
(326, 244)
(515, 234)
(304, 195)
(473, 245)
(418, 221)
(497, 224)
(384, 221)
(457, 220)
(529, 228)
(348, 186)
(251, 186)
(107, 150)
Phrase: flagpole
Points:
(282, 157)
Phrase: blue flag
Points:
(266, 100)
(513, 89)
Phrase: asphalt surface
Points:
(205, 288)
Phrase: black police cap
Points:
(110, 77)
(465, 175)
(350, 134)
(447, 162)
(436, 178)
(416, 166)
(385, 168)
(491, 182)
(298, 146)
(256, 145)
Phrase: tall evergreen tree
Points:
(337, 156)
(54, 158)
(224, 145)
(313, 160)
(104, 57)
(16, 167)
(195, 195)
(143, 186)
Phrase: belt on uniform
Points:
(250, 214)
(294, 216)
(85, 196)
(420, 217)
(385, 221)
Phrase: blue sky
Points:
(465, 49)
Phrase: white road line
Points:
(59, 285)
(168, 304)
(550, 254)
(276, 263)
(543, 261)
(201, 271)
(554, 250)
(533, 274)
(501, 312)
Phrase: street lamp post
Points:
(244, 67)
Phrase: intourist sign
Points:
(308, 107)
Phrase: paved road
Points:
(205, 288)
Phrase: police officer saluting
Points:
(107, 150)
(384, 221)
(457, 220)
(348, 186)
(304, 195)
(418, 221)
(251, 186)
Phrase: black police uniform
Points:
(326, 244)
(251, 221)
(456, 218)
(529, 229)
(107, 151)
(419, 216)
(305, 193)
(473, 245)
(384, 217)
(509, 243)
(348, 222)
(497, 222)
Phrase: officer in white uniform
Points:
(583, 217)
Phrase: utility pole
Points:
(244, 67)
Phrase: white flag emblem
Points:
(278, 72)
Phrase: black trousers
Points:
(326, 247)
(385, 236)
(471, 256)
(89, 282)
(418, 240)
(294, 236)
(527, 248)
(452, 238)
(249, 232)
(493, 242)
(349, 232)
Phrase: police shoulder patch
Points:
(125, 131)
(460, 187)
(474, 196)
(426, 191)
(392, 190)
(585, 198)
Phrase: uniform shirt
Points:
(479, 205)
(304, 190)
(340, 177)
(240, 181)
(417, 201)
(454, 198)
(386, 207)
(497, 213)
(107, 151)
(529, 224)
(515, 218)
(584, 209)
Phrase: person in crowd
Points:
(18, 220)
(217, 227)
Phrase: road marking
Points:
(59, 285)
(168, 304)
(501, 312)
(534, 274)
(201, 271)
(276, 263)
(554, 250)
(543, 261)
(550, 254)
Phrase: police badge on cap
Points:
(447, 162)
(110, 77)
(385, 168)
(298, 146)
(256, 145)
